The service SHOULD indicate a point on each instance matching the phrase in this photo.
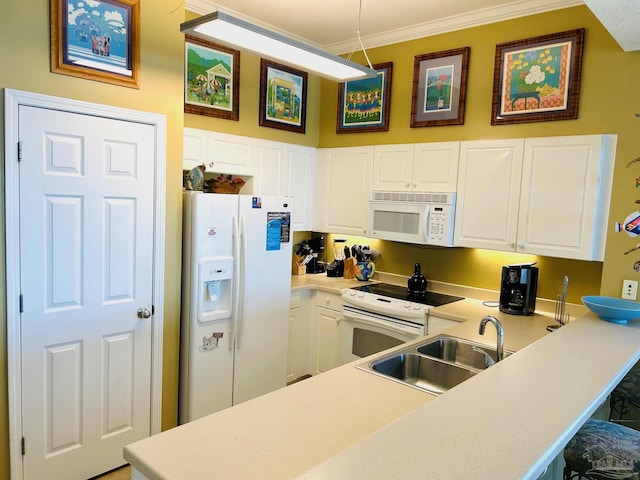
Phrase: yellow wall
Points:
(608, 101)
(24, 36)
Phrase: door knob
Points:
(144, 313)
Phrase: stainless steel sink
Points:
(422, 372)
(434, 366)
(458, 351)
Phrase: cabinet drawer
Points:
(328, 300)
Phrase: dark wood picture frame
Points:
(211, 79)
(537, 79)
(365, 105)
(101, 44)
(439, 88)
(283, 97)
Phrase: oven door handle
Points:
(386, 323)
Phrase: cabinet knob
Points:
(521, 247)
(512, 245)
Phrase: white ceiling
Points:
(333, 24)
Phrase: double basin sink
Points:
(435, 365)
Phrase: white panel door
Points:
(86, 247)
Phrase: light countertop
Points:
(507, 422)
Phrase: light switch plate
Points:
(629, 289)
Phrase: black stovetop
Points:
(395, 291)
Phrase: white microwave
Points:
(422, 218)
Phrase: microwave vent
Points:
(409, 197)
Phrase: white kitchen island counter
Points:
(508, 422)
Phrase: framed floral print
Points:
(537, 79)
(364, 105)
(283, 97)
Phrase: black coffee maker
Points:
(518, 289)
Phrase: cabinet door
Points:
(326, 339)
(270, 168)
(343, 178)
(299, 342)
(194, 148)
(435, 167)
(392, 167)
(299, 171)
(488, 194)
(231, 154)
(564, 201)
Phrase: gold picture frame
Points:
(100, 43)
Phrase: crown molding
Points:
(509, 11)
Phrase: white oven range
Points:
(380, 316)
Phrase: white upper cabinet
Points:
(543, 196)
(488, 193)
(275, 168)
(423, 167)
(270, 168)
(231, 154)
(343, 177)
(299, 172)
(220, 152)
(287, 169)
(565, 196)
(392, 167)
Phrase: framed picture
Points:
(439, 88)
(283, 97)
(364, 105)
(98, 40)
(537, 79)
(211, 79)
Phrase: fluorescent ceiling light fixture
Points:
(235, 33)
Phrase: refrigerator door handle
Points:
(242, 278)
(236, 282)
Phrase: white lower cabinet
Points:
(543, 196)
(299, 341)
(325, 337)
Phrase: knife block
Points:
(349, 268)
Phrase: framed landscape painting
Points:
(537, 79)
(98, 40)
(211, 79)
(283, 97)
(439, 88)
(364, 105)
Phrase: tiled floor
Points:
(123, 473)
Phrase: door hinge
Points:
(19, 151)
(22, 446)
(21, 304)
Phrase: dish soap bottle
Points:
(417, 283)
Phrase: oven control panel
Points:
(391, 307)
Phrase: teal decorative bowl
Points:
(612, 309)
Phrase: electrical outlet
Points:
(629, 289)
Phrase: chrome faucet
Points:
(500, 341)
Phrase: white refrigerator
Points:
(236, 284)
